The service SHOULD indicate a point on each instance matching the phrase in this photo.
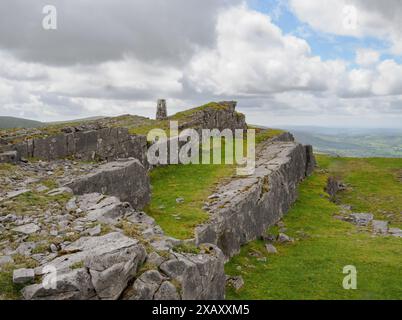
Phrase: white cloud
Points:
(238, 53)
(367, 57)
(359, 18)
(388, 80)
(254, 57)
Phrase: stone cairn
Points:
(161, 111)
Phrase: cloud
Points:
(358, 18)
(91, 32)
(367, 57)
(253, 57)
(110, 58)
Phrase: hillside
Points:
(352, 142)
(12, 122)
(311, 267)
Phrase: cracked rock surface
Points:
(243, 209)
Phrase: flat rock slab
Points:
(13, 194)
(380, 227)
(102, 208)
(9, 157)
(271, 249)
(128, 180)
(92, 268)
(6, 260)
(21, 276)
(27, 228)
(361, 219)
(395, 232)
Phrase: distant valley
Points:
(351, 142)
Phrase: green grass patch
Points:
(193, 183)
(262, 135)
(311, 268)
(375, 185)
(32, 201)
(8, 290)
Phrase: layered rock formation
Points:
(100, 144)
(245, 207)
(219, 116)
(126, 179)
(115, 266)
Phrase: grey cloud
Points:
(96, 31)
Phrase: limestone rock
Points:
(361, 219)
(249, 205)
(395, 232)
(74, 285)
(127, 180)
(9, 157)
(5, 260)
(13, 194)
(155, 259)
(59, 191)
(93, 142)
(167, 291)
(101, 208)
(71, 205)
(95, 231)
(271, 249)
(146, 285)
(333, 186)
(201, 276)
(22, 276)
(283, 238)
(380, 227)
(26, 248)
(236, 282)
(27, 229)
(109, 262)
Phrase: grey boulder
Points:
(109, 262)
(127, 180)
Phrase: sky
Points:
(286, 62)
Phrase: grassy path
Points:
(193, 183)
(311, 268)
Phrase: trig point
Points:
(161, 110)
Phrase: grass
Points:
(9, 290)
(311, 268)
(187, 114)
(374, 183)
(262, 135)
(194, 183)
(32, 201)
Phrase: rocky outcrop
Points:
(218, 116)
(334, 186)
(245, 207)
(116, 266)
(91, 268)
(102, 144)
(183, 276)
(126, 179)
(9, 157)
